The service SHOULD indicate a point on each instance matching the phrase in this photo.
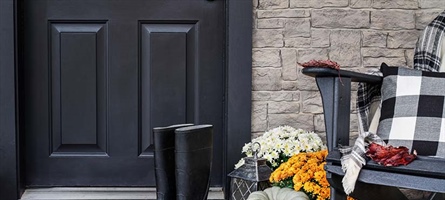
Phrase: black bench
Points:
(375, 181)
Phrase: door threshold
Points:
(95, 193)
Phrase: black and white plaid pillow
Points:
(413, 111)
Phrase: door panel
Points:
(100, 74)
(165, 76)
(78, 88)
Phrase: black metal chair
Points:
(375, 181)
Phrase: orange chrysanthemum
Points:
(304, 172)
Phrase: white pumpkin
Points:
(258, 195)
(277, 193)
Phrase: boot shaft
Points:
(164, 155)
(194, 153)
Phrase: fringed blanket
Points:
(427, 57)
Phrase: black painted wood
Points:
(97, 81)
(422, 166)
(394, 179)
(237, 98)
(328, 72)
(336, 98)
(158, 70)
(78, 88)
(424, 173)
(239, 82)
(366, 191)
(10, 187)
(335, 93)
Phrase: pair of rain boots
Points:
(183, 160)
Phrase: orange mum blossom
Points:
(304, 172)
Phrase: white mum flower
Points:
(240, 163)
(246, 147)
(286, 141)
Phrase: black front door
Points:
(98, 75)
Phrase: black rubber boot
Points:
(194, 152)
(164, 153)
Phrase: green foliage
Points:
(285, 183)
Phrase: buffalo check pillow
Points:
(413, 110)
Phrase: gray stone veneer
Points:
(358, 34)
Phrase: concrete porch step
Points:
(96, 193)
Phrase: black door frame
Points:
(237, 104)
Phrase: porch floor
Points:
(95, 193)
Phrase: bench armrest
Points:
(328, 72)
(335, 89)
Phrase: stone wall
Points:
(358, 34)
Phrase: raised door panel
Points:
(166, 70)
(78, 88)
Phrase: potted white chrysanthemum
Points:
(281, 143)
